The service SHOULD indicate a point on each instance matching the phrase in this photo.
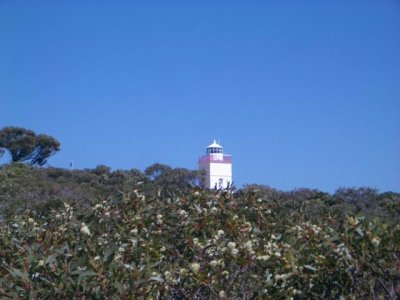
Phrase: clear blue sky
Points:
(301, 93)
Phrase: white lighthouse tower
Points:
(217, 167)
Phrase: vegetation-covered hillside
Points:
(98, 234)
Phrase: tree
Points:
(171, 180)
(20, 142)
(102, 169)
(45, 146)
(362, 195)
(24, 145)
(157, 170)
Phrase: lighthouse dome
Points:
(214, 148)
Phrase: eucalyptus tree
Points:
(25, 146)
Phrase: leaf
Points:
(15, 272)
(330, 240)
(157, 278)
(88, 273)
(309, 268)
(359, 231)
(198, 208)
(51, 259)
(108, 253)
(85, 274)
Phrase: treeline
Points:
(24, 186)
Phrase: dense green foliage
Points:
(24, 145)
(127, 235)
(23, 186)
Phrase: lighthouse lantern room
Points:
(217, 167)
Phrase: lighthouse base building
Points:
(216, 167)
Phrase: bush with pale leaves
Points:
(197, 244)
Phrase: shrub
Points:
(201, 244)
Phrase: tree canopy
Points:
(25, 146)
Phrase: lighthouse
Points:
(217, 167)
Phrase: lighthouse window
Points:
(220, 182)
(214, 150)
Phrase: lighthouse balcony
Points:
(224, 158)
